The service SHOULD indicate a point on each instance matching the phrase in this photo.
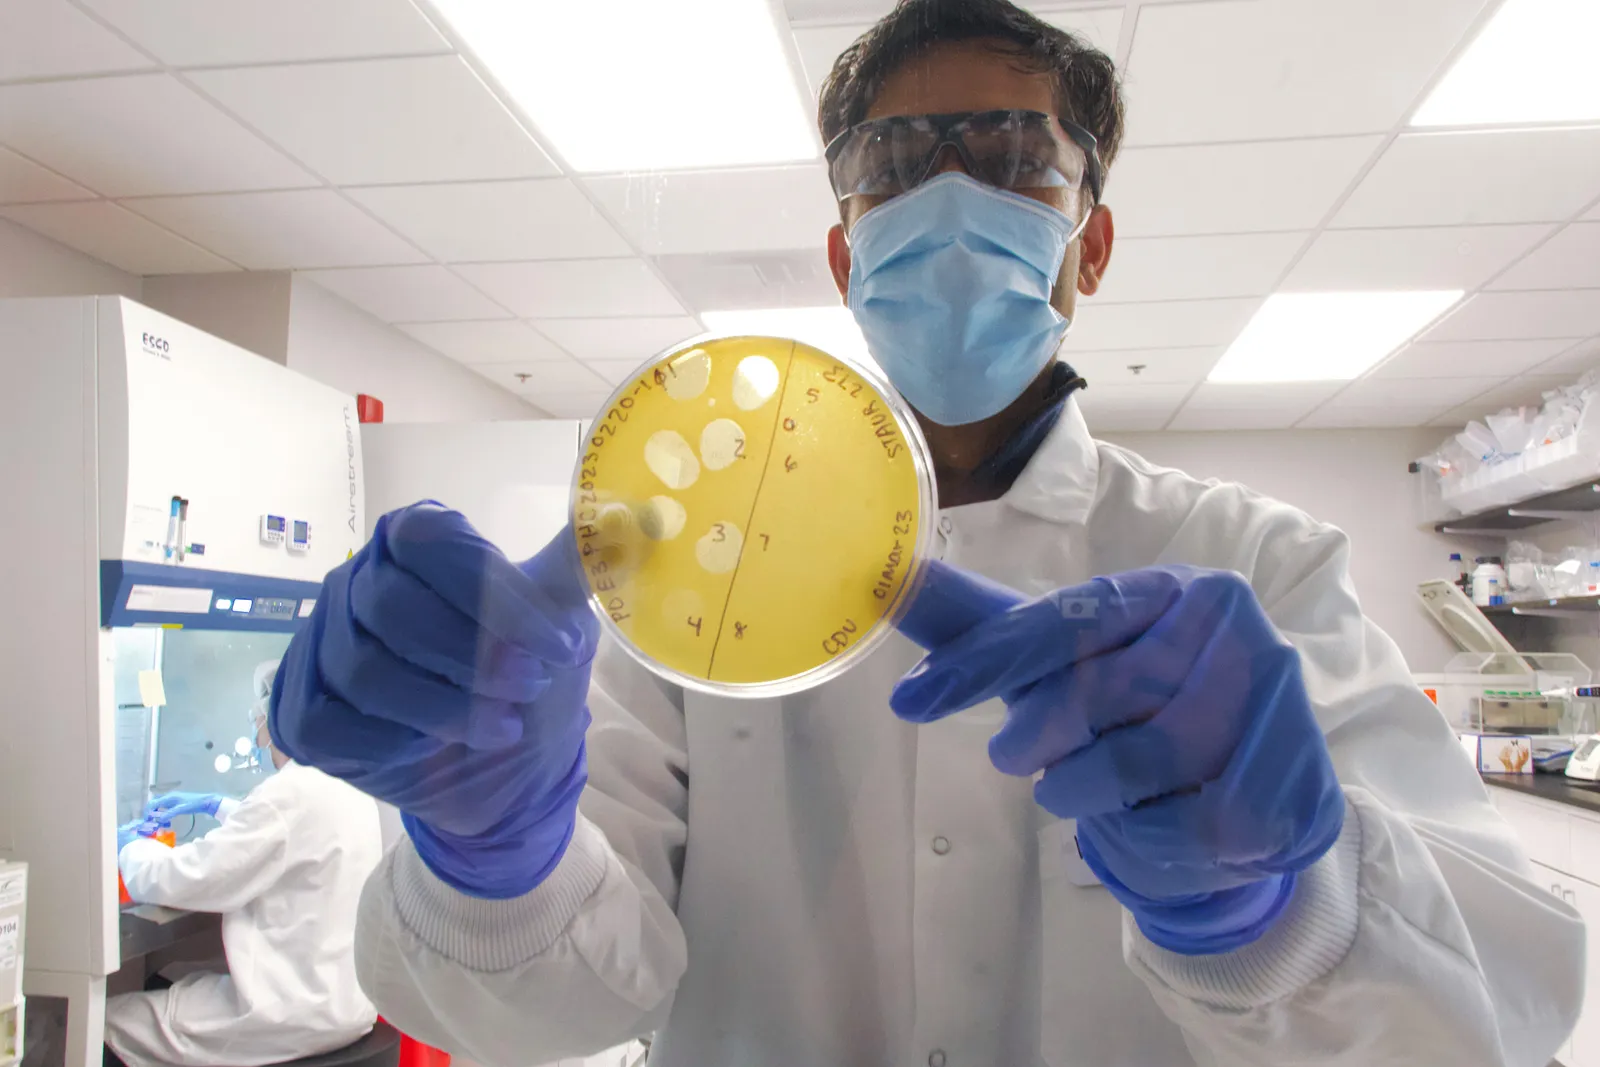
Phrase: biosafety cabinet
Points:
(172, 505)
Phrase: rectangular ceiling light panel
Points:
(633, 85)
(1312, 337)
(1533, 62)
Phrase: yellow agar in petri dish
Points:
(751, 513)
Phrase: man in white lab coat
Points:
(285, 870)
(852, 875)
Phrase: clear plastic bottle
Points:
(1489, 582)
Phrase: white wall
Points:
(34, 265)
(1354, 479)
(247, 308)
(337, 343)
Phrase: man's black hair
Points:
(1087, 90)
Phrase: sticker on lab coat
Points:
(1060, 856)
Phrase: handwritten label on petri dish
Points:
(777, 502)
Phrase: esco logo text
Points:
(156, 346)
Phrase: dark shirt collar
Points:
(1000, 470)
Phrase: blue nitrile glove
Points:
(173, 804)
(437, 675)
(128, 832)
(1168, 717)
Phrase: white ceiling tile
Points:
(1440, 257)
(615, 371)
(1456, 417)
(22, 181)
(559, 375)
(1179, 324)
(1470, 359)
(1157, 366)
(567, 405)
(116, 236)
(1233, 188)
(1594, 214)
(752, 280)
(1131, 420)
(1525, 390)
(1289, 397)
(409, 294)
(504, 341)
(1569, 260)
(819, 46)
(299, 229)
(575, 288)
(383, 121)
(52, 39)
(752, 210)
(1238, 70)
(1435, 393)
(1518, 316)
(1236, 418)
(1130, 407)
(1193, 268)
(1394, 416)
(630, 341)
(1456, 179)
(476, 222)
(143, 135)
(205, 33)
(1581, 357)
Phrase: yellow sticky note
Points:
(152, 694)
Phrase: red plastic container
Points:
(168, 837)
(414, 1053)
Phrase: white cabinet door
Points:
(1543, 828)
(1567, 888)
(1585, 1044)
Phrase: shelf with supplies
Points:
(1558, 607)
(1581, 502)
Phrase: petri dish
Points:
(752, 514)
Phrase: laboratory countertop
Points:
(141, 936)
(1553, 787)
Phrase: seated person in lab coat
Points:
(1158, 794)
(285, 870)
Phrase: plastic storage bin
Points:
(1539, 470)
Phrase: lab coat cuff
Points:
(225, 808)
(1309, 939)
(497, 935)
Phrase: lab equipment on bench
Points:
(1585, 761)
(752, 514)
(1525, 694)
(1453, 610)
(153, 452)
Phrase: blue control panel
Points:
(154, 594)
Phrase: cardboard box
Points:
(1499, 753)
(13, 913)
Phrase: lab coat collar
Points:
(1059, 483)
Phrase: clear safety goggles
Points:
(1008, 149)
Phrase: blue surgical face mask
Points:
(261, 755)
(951, 285)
